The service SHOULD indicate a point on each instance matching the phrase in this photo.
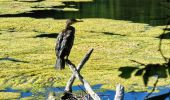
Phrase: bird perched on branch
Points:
(64, 43)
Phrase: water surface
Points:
(153, 12)
(104, 94)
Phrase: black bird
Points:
(64, 43)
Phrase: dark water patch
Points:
(164, 36)
(167, 29)
(36, 14)
(134, 10)
(72, 3)
(12, 59)
(52, 7)
(50, 35)
(29, 1)
(141, 11)
(109, 33)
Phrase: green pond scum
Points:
(27, 49)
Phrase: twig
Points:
(138, 62)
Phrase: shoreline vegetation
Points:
(27, 55)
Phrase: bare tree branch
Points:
(84, 82)
(68, 87)
(119, 92)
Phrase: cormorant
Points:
(64, 43)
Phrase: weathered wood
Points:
(119, 92)
(70, 82)
(51, 96)
(84, 82)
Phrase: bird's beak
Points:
(79, 21)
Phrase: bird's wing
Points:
(58, 43)
(64, 44)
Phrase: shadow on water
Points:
(51, 35)
(109, 33)
(11, 29)
(105, 33)
(149, 70)
(104, 95)
(127, 71)
(12, 59)
(142, 11)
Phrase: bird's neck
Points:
(67, 26)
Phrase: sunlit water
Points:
(104, 95)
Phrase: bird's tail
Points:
(60, 63)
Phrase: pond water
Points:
(152, 12)
(104, 95)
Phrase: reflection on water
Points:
(104, 95)
(153, 12)
(144, 11)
